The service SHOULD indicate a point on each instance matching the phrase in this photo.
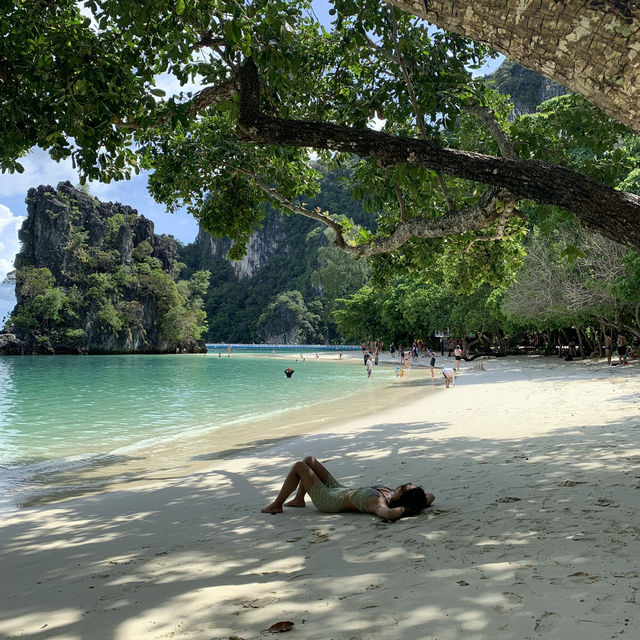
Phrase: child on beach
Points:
(432, 360)
(329, 496)
(457, 352)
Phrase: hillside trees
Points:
(409, 308)
(288, 320)
(274, 83)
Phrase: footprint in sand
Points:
(546, 622)
(606, 604)
(321, 536)
(512, 598)
(581, 576)
(605, 502)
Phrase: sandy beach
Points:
(535, 531)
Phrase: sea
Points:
(75, 424)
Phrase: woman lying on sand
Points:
(329, 496)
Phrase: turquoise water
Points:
(61, 412)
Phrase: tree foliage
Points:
(288, 320)
(273, 83)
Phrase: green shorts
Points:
(328, 496)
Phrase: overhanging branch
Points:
(614, 214)
(474, 218)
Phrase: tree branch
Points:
(208, 97)
(488, 118)
(474, 218)
(612, 213)
(208, 40)
(316, 214)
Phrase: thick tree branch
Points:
(208, 97)
(208, 40)
(614, 214)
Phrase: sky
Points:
(41, 170)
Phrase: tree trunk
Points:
(580, 343)
(590, 48)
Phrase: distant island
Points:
(94, 278)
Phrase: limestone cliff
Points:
(526, 88)
(262, 246)
(93, 277)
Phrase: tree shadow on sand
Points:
(512, 535)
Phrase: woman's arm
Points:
(381, 509)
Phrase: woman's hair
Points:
(414, 501)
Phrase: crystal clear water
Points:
(59, 412)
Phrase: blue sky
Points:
(41, 170)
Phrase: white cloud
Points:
(38, 169)
(9, 243)
(9, 246)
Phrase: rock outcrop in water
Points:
(93, 277)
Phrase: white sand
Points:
(535, 531)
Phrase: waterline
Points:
(70, 422)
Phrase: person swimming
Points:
(288, 372)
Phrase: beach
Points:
(535, 531)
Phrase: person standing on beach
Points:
(369, 364)
(457, 352)
(449, 377)
(622, 348)
(228, 351)
(432, 360)
(607, 349)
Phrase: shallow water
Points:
(63, 413)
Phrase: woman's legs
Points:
(303, 475)
(321, 472)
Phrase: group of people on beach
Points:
(625, 351)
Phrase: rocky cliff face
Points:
(526, 88)
(93, 277)
(262, 246)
